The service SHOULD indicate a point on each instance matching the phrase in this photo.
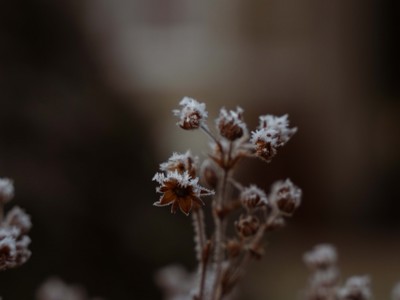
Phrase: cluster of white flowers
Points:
(14, 228)
(322, 261)
(323, 282)
(356, 287)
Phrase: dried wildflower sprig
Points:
(223, 259)
(324, 281)
(14, 227)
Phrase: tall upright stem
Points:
(220, 224)
(200, 239)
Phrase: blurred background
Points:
(86, 93)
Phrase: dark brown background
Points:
(86, 90)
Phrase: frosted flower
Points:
(18, 218)
(247, 225)
(253, 196)
(6, 190)
(355, 288)
(13, 248)
(180, 191)
(181, 163)
(396, 292)
(192, 115)
(273, 132)
(230, 124)
(321, 256)
(286, 196)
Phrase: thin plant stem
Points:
(220, 224)
(200, 239)
(254, 244)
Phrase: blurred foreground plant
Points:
(14, 227)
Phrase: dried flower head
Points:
(252, 197)
(181, 162)
(355, 288)
(230, 124)
(192, 115)
(322, 256)
(286, 196)
(13, 248)
(6, 190)
(180, 191)
(247, 225)
(272, 133)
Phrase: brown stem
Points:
(220, 225)
(200, 239)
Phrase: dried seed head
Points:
(230, 124)
(181, 163)
(355, 288)
(285, 196)
(322, 257)
(6, 190)
(180, 191)
(272, 133)
(192, 114)
(247, 225)
(252, 197)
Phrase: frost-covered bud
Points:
(192, 115)
(355, 288)
(247, 225)
(396, 292)
(252, 197)
(18, 218)
(322, 256)
(230, 124)
(272, 133)
(6, 190)
(181, 163)
(286, 196)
